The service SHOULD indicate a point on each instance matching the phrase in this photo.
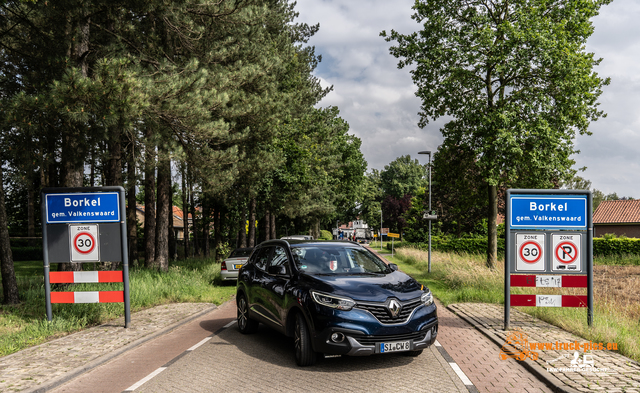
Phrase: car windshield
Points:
(241, 252)
(336, 259)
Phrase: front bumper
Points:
(362, 334)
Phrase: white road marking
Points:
(461, 374)
(144, 380)
(229, 324)
(199, 344)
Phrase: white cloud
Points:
(377, 99)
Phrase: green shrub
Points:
(607, 246)
(325, 235)
(27, 253)
(470, 245)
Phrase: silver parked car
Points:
(233, 263)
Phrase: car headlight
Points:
(341, 303)
(426, 298)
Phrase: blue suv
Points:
(334, 298)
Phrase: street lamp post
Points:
(429, 153)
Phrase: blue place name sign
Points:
(83, 207)
(548, 212)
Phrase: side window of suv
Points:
(262, 258)
(279, 257)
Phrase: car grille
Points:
(382, 314)
(371, 340)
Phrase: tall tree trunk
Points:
(73, 175)
(267, 225)
(243, 228)
(206, 227)
(9, 283)
(132, 229)
(217, 226)
(185, 212)
(150, 202)
(173, 249)
(192, 205)
(492, 238)
(31, 216)
(113, 171)
(273, 226)
(162, 213)
(92, 169)
(314, 230)
(252, 223)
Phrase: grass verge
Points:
(25, 324)
(461, 278)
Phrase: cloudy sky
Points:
(378, 101)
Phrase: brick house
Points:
(621, 217)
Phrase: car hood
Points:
(366, 287)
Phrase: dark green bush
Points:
(602, 247)
(27, 253)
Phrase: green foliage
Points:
(403, 176)
(27, 253)
(470, 245)
(325, 235)
(514, 80)
(612, 246)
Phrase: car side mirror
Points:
(393, 267)
(278, 270)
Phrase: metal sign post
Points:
(548, 233)
(85, 224)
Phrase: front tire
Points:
(305, 355)
(245, 324)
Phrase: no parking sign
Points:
(566, 252)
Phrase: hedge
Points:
(27, 253)
(478, 245)
(471, 245)
(617, 246)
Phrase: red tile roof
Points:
(617, 212)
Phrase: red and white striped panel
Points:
(549, 301)
(88, 297)
(548, 281)
(85, 277)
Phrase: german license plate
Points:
(396, 346)
(237, 266)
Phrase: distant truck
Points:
(363, 233)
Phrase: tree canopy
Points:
(216, 96)
(515, 79)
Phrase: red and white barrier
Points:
(84, 278)
(549, 300)
(548, 281)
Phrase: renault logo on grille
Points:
(394, 308)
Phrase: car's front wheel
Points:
(305, 355)
(245, 324)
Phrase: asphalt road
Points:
(210, 355)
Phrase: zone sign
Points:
(84, 243)
(566, 252)
(530, 252)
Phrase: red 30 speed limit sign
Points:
(85, 243)
(530, 252)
